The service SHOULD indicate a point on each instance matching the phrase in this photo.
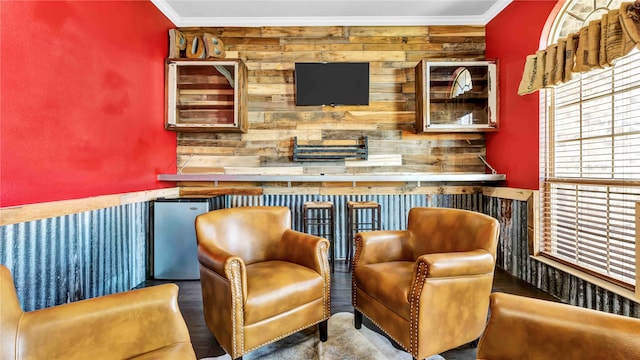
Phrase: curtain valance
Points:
(594, 46)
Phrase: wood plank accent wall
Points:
(270, 54)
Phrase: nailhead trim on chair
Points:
(414, 304)
(233, 274)
(321, 253)
(356, 260)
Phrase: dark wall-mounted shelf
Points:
(329, 152)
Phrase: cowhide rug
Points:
(345, 343)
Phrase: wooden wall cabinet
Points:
(456, 96)
(206, 95)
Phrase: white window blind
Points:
(592, 171)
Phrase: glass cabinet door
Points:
(456, 96)
(206, 96)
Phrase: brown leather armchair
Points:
(138, 324)
(427, 287)
(525, 328)
(261, 281)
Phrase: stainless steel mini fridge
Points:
(175, 250)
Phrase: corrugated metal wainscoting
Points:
(104, 251)
(68, 258)
(513, 256)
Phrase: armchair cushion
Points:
(273, 287)
(388, 283)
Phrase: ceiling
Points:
(248, 13)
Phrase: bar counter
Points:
(354, 179)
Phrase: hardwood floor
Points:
(205, 345)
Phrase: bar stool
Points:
(357, 220)
(319, 220)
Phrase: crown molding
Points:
(179, 21)
(168, 11)
(330, 21)
(495, 10)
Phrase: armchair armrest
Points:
(132, 323)
(304, 249)
(382, 246)
(214, 259)
(451, 264)
(226, 265)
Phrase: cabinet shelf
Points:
(203, 89)
(207, 105)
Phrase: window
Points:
(590, 133)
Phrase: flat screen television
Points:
(338, 83)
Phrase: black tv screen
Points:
(332, 83)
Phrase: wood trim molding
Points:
(191, 189)
(637, 251)
(533, 223)
(629, 294)
(508, 193)
(31, 212)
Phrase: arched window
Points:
(590, 156)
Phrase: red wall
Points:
(82, 99)
(511, 36)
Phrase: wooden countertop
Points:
(408, 177)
